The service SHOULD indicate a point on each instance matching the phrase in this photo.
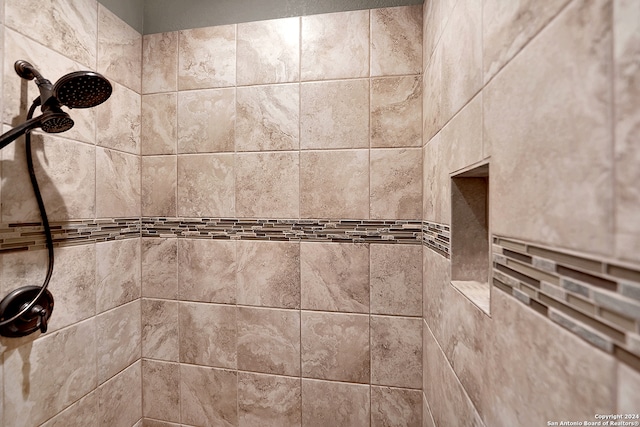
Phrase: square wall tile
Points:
(335, 346)
(269, 340)
(159, 267)
(207, 57)
(396, 280)
(395, 407)
(206, 121)
(334, 114)
(208, 396)
(117, 273)
(327, 403)
(74, 359)
(396, 112)
(627, 121)
(208, 334)
(84, 412)
(119, 50)
(206, 185)
(267, 400)
(344, 193)
(267, 185)
(160, 329)
(206, 270)
(160, 62)
(117, 184)
(462, 140)
(118, 121)
(120, 399)
(159, 129)
(432, 113)
(396, 351)
(118, 338)
(334, 277)
(396, 40)
(335, 46)
(159, 185)
(269, 51)
(268, 118)
(161, 390)
(268, 274)
(396, 183)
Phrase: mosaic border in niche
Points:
(595, 299)
(313, 230)
(30, 236)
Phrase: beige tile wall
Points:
(86, 369)
(289, 118)
(546, 93)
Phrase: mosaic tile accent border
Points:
(437, 237)
(30, 236)
(313, 230)
(597, 300)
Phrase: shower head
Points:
(82, 89)
(56, 122)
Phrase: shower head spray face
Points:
(56, 122)
(82, 89)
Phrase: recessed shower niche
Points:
(470, 243)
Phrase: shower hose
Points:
(43, 215)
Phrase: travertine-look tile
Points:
(161, 390)
(335, 346)
(569, 132)
(207, 57)
(22, 268)
(427, 418)
(118, 339)
(159, 128)
(432, 116)
(396, 183)
(74, 285)
(159, 186)
(461, 56)
(578, 396)
(396, 280)
(121, 398)
(117, 184)
(396, 407)
(160, 62)
(160, 329)
(436, 189)
(146, 422)
(447, 398)
(628, 390)
(84, 412)
(507, 27)
(396, 40)
(267, 400)
(327, 403)
(269, 341)
(335, 46)
(627, 123)
(66, 176)
(208, 334)
(334, 277)
(269, 51)
(268, 118)
(206, 185)
(159, 267)
(206, 121)
(206, 270)
(267, 185)
(70, 28)
(342, 194)
(208, 396)
(461, 140)
(334, 114)
(396, 112)
(268, 274)
(73, 353)
(117, 273)
(119, 50)
(396, 351)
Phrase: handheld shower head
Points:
(82, 89)
(56, 122)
